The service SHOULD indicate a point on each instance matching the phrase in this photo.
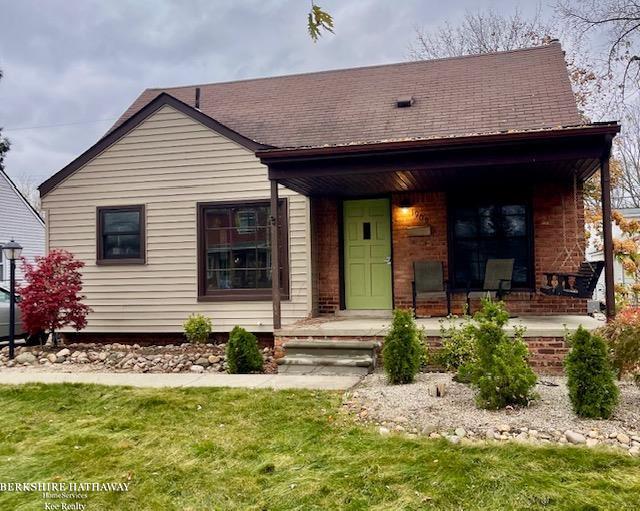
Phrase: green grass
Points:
(236, 449)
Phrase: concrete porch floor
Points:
(335, 326)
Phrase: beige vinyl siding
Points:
(169, 163)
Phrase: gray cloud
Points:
(68, 61)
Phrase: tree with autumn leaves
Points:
(51, 298)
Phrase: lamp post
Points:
(12, 251)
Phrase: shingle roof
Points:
(507, 91)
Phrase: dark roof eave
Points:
(609, 129)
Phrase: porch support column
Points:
(605, 185)
(275, 256)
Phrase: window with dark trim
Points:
(481, 229)
(234, 250)
(121, 235)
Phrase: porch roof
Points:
(396, 166)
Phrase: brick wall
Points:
(325, 255)
(546, 354)
(556, 241)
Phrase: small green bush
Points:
(458, 348)
(197, 328)
(500, 372)
(590, 378)
(243, 354)
(403, 352)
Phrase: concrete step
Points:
(355, 361)
(323, 370)
(328, 356)
(330, 348)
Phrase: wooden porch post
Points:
(605, 185)
(275, 256)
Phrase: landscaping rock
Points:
(51, 357)
(461, 432)
(635, 450)
(623, 438)
(383, 431)
(592, 442)
(574, 438)
(204, 362)
(25, 358)
(64, 352)
(491, 434)
(197, 368)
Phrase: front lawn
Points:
(194, 449)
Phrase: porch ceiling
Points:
(428, 165)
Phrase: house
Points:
(264, 202)
(21, 222)
(595, 253)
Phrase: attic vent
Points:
(404, 101)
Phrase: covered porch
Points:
(457, 201)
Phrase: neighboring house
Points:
(595, 253)
(19, 221)
(455, 160)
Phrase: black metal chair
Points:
(580, 284)
(429, 283)
(498, 275)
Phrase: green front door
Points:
(367, 254)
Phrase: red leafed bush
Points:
(51, 297)
(623, 336)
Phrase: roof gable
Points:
(134, 121)
(19, 197)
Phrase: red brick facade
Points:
(558, 227)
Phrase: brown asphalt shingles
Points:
(507, 91)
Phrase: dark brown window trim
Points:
(100, 261)
(224, 295)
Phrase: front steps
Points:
(328, 357)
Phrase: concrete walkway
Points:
(249, 381)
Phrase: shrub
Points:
(458, 348)
(592, 389)
(243, 354)
(500, 372)
(197, 328)
(623, 337)
(403, 351)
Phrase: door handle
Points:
(387, 259)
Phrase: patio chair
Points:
(429, 283)
(497, 281)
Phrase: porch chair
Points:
(497, 281)
(429, 283)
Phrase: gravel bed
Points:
(412, 408)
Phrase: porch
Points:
(438, 193)
(544, 335)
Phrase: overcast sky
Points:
(82, 62)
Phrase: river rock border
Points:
(115, 357)
(357, 408)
